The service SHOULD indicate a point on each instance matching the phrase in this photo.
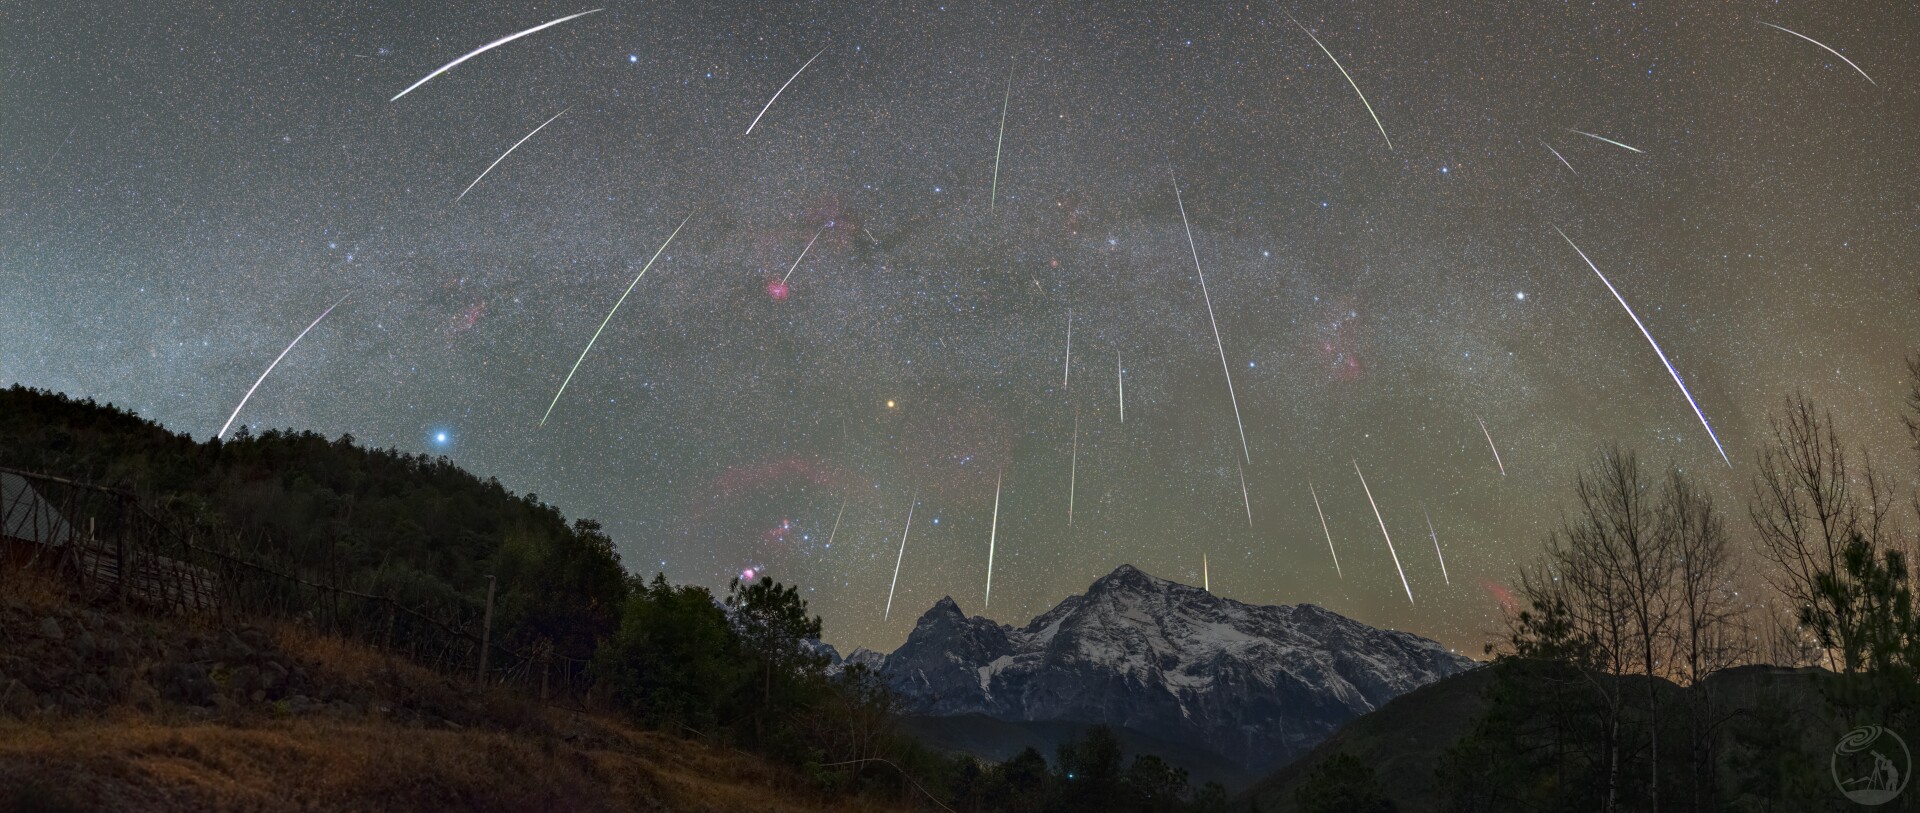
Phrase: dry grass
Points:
(512, 753)
(129, 762)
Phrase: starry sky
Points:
(183, 188)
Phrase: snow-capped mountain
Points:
(1257, 685)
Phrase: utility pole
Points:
(486, 631)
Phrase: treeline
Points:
(744, 669)
(1676, 655)
(412, 528)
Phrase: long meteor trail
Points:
(1656, 347)
(1556, 154)
(902, 557)
(1350, 82)
(1120, 376)
(1606, 139)
(803, 252)
(783, 89)
(836, 522)
(1323, 529)
(1217, 344)
(485, 48)
(1496, 449)
(1073, 468)
(1436, 545)
(610, 313)
(1244, 499)
(994, 195)
(276, 362)
(1067, 371)
(993, 533)
(1843, 57)
(503, 156)
(1383, 532)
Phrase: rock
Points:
(256, 638)
(17, 700)
(244, 681)
(186, 683)
(82, 647)
(50, 629)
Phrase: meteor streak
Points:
(836, 522)
(1217, 344)
(1843, 57)
(1067, 371)
(1073, 468)
(1656, 347)
(503, 156)
(995, 194)
(1206, 578)
(1350, 82)
(1496, 449)
(803, 253)
(1120, 375)
(1244, 499)
(1383, 532)
(1556, 154)
(610, 313)
(485, 48)
(1603, 138)
(993, 533)
(276, 363)
(783, 89)
(1323, 529)
(1436, 545)
(903, 555)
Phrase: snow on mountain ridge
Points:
(1259, 684)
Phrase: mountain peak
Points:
(944, 613)
(1128, 577)
(1255, 684)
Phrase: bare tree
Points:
(1707, 633)
(1806, 509)
(1614, 563)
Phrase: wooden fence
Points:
(116, 549)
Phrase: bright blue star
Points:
(633, 58)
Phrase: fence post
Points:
(486, 631)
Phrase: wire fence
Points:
(116, 549)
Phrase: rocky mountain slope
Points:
(1259, 685)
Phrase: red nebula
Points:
(1502, 595)
(777, 288)
(1337, 341)
(470, 317)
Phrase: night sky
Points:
(184, 188)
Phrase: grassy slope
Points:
(400, 750)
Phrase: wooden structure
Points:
(113, 556)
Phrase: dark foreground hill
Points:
(1471, 743)
(101, 710)
(413, 529)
